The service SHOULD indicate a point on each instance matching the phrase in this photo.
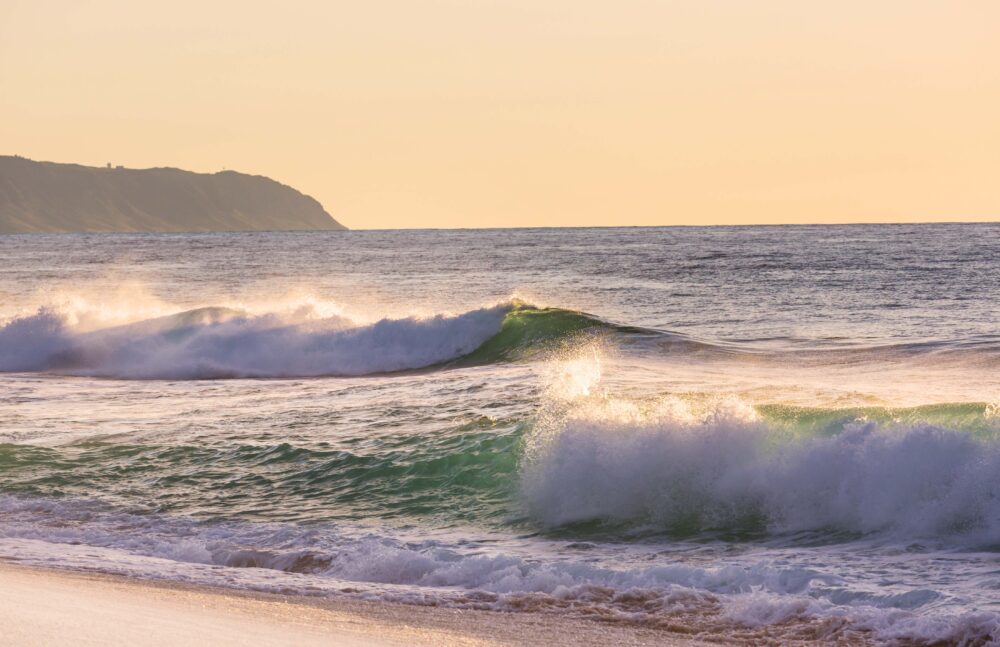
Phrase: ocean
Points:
(743, 433)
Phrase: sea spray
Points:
(214, 343)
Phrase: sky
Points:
(477, 113)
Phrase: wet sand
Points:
(50, 607)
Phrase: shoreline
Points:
(42, 606)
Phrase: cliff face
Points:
(49, 197)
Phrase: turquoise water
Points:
(784, 427)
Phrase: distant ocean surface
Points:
(754, 433)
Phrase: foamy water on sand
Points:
(784, 433)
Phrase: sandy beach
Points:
(49, 607)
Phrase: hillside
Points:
(49, 197)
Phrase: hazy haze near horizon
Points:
(468, 114)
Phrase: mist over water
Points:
(783, 430)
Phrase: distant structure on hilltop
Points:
(46, 197)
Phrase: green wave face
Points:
(976, 418)
(468, 474)
(527, 329)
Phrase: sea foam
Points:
(729, 597)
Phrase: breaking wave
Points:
(686, 468)
(212, 343)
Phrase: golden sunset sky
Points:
(447, 113)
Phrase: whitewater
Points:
(784, 434)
